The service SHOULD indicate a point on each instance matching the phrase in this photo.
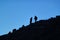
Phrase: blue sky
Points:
(15, 13)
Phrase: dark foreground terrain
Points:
(40, 30)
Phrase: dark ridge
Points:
(40, 30)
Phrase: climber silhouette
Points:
(30, 20)
(35, 18)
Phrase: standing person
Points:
(30, 20)
(35, 18)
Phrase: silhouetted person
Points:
(35, 18)
(30, 20)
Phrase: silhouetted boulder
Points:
(9, 33)
(14, 30)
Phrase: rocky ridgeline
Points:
(40, 30)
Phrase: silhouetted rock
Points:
(40, 30)
(9, 33)
(14, 30)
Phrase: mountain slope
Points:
(40, 30)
